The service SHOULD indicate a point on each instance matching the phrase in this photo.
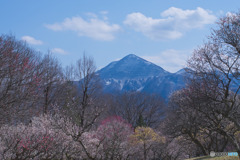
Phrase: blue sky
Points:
(162, 31)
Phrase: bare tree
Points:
(19, 79)
(52, 83)
(132, 105)
(215, 68)
(191, 118)
(206, 113)
(82, 104)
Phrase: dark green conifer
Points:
(140, 122)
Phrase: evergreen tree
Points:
(140, 122)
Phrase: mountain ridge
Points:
(133, 73)
(131, 66)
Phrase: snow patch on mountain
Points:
(133, 73)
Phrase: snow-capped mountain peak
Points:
(131, 67)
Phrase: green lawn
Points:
(214, 158)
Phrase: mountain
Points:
(133, 73)
(165, 85)
(131, 67)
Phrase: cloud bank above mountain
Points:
(172, 24)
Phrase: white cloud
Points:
(171, 60)
(91, 15)
(93, 27)
(104, 15)
(104, 12)
(31, 40)
(173, 23)
(59, 51)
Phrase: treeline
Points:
(50, 112)
(206, 114)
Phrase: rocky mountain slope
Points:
(133, 73)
